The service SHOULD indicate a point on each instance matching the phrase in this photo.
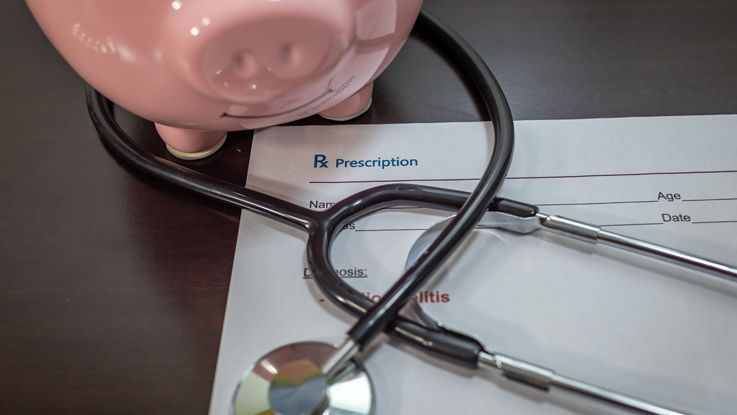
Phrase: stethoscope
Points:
(318, 377)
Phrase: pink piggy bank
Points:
(200, 68)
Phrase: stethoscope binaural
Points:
(317, 377)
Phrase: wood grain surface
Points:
(113, 286)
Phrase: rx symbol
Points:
(320, 161)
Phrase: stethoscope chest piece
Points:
(290, 381)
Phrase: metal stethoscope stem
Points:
(544, 378)
(594, 234)
(345, 352)
(528, 223)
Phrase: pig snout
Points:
(256, 51)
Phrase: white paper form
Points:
(652, 330)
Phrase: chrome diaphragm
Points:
(290, 381)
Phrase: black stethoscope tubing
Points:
(323, 226)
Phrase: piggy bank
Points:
(200, 68)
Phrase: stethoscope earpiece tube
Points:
(472, 66)
(323, 226)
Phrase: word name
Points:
(319, 204)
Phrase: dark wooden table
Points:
(113, 286)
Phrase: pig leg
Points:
(190, 144)
(357, 104)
